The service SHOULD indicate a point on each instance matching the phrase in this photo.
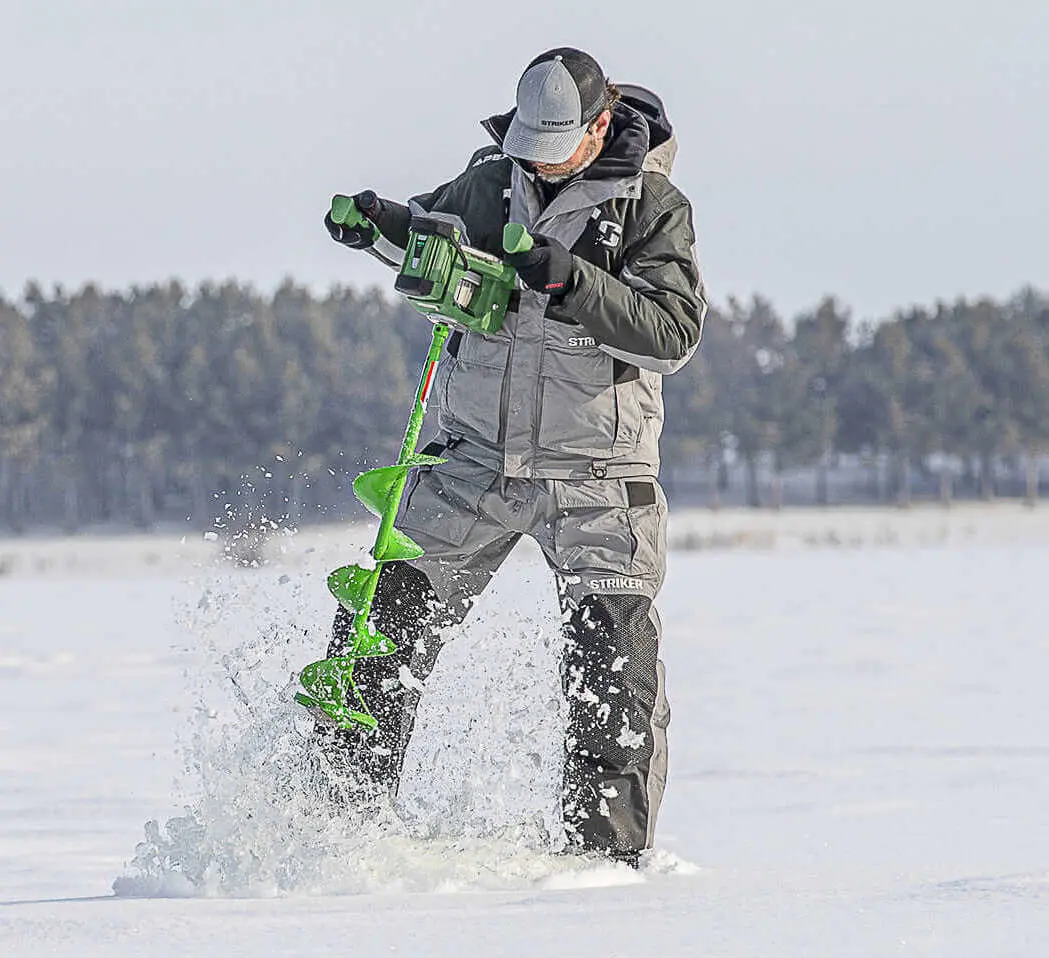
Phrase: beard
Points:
(560, 172)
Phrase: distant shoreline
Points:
(177, 553)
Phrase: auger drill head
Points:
(443, 279)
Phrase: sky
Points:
(889, 154)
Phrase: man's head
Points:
(563, 114)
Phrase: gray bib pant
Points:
(604, 540)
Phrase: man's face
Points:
(585, 154)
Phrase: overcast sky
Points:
(890, 153)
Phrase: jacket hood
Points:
(641, 136)
(662, 143)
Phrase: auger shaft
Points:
(405, 458)
(440, 277)
(330, 691)
(411, 434)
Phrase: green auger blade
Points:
(420, 460)
(329, 686)
(399, 547)
(376, 488)
(353, 587)
(349, 585)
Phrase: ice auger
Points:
(453, 285)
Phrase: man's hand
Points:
(546, 267)
(358, 237)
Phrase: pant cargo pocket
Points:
(598, 529)
(443, 501)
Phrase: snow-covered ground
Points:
(859, 764)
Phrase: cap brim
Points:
(539, 146)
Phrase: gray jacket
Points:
(573, 389)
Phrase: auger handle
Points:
(361, 214)
(346, 211)
(516, 239)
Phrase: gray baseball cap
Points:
(559, 95)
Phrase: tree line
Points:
(220, 405)
(964, 384)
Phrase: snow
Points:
(859, 761)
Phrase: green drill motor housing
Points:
(443, 279)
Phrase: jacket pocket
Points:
(470, 386)
(583, 412)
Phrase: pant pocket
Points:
(597, 527)
(443, 502)
(647, 514)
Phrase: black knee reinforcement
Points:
(611, 684)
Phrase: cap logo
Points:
(558, 122)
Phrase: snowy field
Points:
(859, 755)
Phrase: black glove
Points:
(546, 267)
(393, 220)
(353, 237)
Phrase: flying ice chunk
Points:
(409, 681)
(628, 738)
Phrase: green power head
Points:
(443, 278)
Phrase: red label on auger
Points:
(425, 392)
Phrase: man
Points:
(551, 428)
